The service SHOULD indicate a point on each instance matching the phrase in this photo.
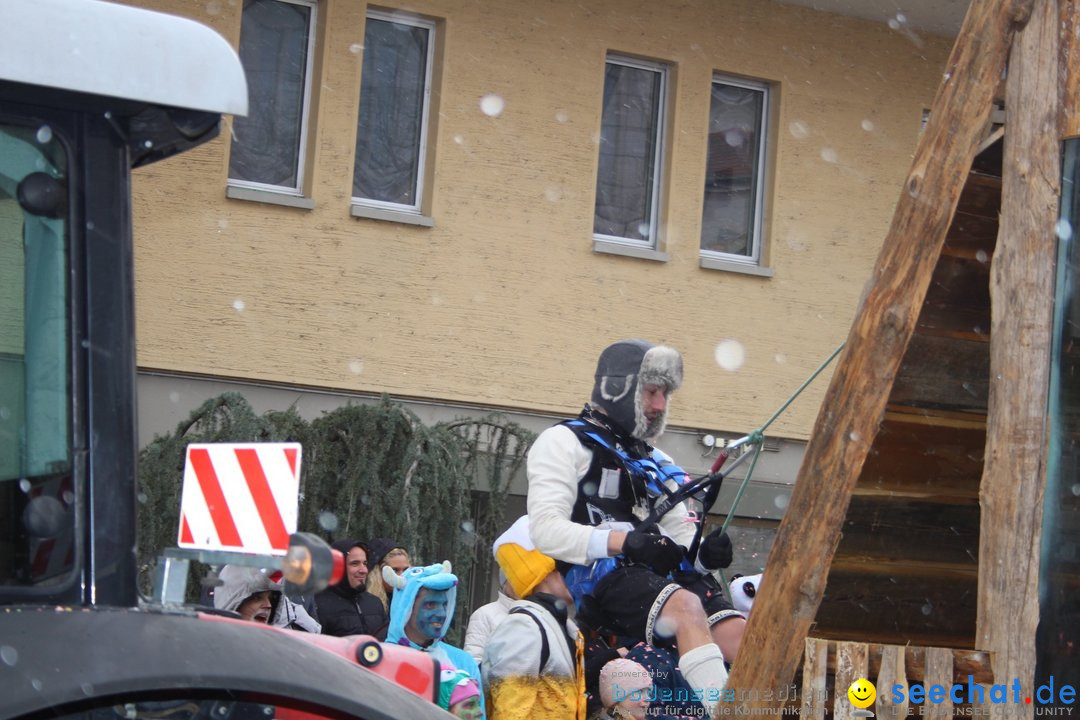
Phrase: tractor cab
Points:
(89, 90)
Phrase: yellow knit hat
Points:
(525, 566)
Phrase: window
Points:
(277, 40)
(631, 153)
(734, 172)
(36, 492)
(1058, 634)
(395, 94)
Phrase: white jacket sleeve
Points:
(483, 622)
(556, 462)
(477, 632)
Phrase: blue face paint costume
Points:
(430, 616)
(433, 615)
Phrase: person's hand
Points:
(715, 551)
(656, 551)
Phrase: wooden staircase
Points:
(906, 568)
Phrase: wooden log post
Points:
(854, 403)
(939, 671)
(814, 687)
(1022, 299)
(892, 673)
(852, 662)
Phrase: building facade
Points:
(459, 203)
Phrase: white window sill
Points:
(712, 263)
(635, 251)
(267, 196)
(398, 216)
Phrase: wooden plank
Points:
(893, 638)
(815, 668)
(906, 569)
(916, 532)
(891, 672)
(942, 372)
(852, 663)
(855, 401)
(912, 460)
(958, 299)
(972, 237)
(936, 418)
(1021, 291)
(940, 494)
(982, 194)
(973, 231)
(939, 671)
(898, 608)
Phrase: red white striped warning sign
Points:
(240, 497)
(54, 555)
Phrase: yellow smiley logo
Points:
(862, 693)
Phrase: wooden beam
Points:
(1069, 69)
(1021, 295)
(935, 418)
(855, 402)
(893, 638)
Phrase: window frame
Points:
(651, 248)
(66, 475)
(753, 263)
(250, 190)
(383, 209)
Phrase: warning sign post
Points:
(240, 497)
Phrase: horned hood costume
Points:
(424, 600)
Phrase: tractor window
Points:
(36, 493)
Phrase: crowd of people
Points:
(602, 612)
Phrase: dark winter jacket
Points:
(345, 611)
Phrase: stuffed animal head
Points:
(743, 590)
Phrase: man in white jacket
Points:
(533, 664)
(486, 618)
(594, 478)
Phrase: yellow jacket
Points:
(518, 687)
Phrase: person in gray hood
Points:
(252, 594)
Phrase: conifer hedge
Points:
(368, 470)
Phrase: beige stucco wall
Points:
(503, 302)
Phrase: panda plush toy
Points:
(743, 590)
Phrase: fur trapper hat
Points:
(622, 371)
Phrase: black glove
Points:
(658, 552)
(715, 551)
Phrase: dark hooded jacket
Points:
(347, 611)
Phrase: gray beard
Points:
(647, 430)
(644, 428)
